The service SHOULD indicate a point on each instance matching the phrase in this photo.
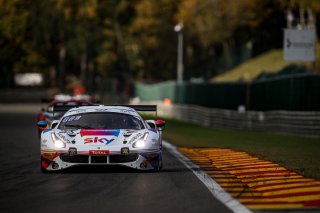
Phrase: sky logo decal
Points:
(106, 141)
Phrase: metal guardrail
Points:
(279, 121)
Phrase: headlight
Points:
(141, 142)
(57, 141)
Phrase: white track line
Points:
(212, 185)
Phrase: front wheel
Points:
(158, 163)
(43, 165)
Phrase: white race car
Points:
(102, 135)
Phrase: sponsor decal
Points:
(72, 151)
(99, 152)
(125, 151)
(85, 132)
(101, 110)
(127, 133)
(63, 137)
(135, 137)
(49, 155)
(71, 133)
(97, 140)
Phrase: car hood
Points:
(100, 137)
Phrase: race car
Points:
(103, 135)
(47, 114)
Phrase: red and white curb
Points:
(215, 189)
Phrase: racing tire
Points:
(159, 164)
(42, 169)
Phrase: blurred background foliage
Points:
(134, 40)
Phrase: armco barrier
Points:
(292, 122)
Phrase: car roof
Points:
(102, 108)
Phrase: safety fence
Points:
(296, 92)
(292, 122)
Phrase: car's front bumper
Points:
(53, 160)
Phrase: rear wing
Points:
(64, 107)
(140, 108)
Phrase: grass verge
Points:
(299, 154)
(270, 62)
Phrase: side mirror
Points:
(54, 124)
(160, 124)
(42, 125)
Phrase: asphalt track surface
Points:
(23, 188)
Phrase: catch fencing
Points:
(295, 92)
(279, 121)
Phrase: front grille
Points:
(75, 158)
(123, 158)
(98, 159)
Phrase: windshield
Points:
(105, 120)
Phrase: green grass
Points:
(298, 154)
(271, 62)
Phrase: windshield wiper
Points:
(79, 126)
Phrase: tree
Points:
(134, 39)
(152, 41)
